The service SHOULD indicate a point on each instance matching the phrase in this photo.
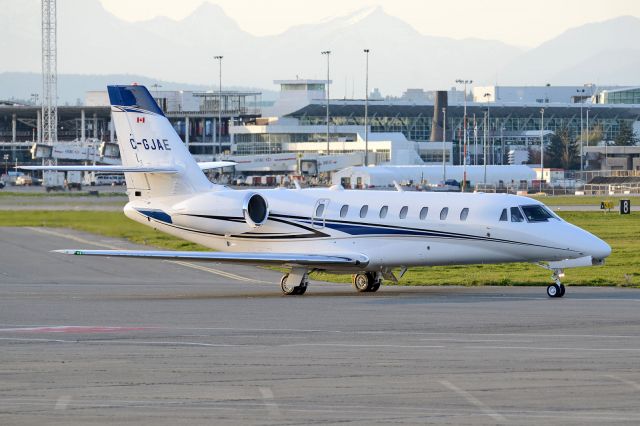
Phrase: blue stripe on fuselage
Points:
(158, 215)
(352, 229)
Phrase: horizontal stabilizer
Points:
(208, 165)
(107, 169)
(354, 259)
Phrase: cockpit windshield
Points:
(516, 216)
(536, 213)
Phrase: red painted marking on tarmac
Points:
(72, 329)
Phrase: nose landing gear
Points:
(556, 289)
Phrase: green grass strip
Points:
(622, 268)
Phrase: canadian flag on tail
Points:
(139, 119)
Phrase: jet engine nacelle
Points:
(223, 212)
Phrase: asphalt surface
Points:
(114, 341)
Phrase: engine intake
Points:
(223, 212)
(255, 210)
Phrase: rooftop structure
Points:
(295, 94)
(627, 95)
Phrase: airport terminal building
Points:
(400, 131)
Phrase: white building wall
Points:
(401, 150)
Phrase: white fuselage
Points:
(404, 236)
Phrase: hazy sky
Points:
(517, 22)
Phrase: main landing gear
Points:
(367, 282)
(556, 289)
(295, 283)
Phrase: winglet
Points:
(75, 252)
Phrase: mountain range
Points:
(93, 41)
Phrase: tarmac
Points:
(101, 340)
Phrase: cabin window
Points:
(443, 213)
(403, 212)
(423, 213)
(344, 210)
(536, 213)
(320, 210)
(503, 215)
(516, 215)
(363, 211)
(464, 213)
(383, 212)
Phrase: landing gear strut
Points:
(556, 289)
(295, 282)
(367, 282)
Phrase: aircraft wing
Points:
(112, 169)
(351, 259)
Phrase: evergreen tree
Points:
(593, 137)
(626, 136)
(562, 151)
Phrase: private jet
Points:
(372, 235)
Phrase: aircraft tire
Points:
(375, 281)
(289, 290)
(554, 290)
(362, 282)
(562, 290)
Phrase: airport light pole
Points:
(444, 151)
(487, 97)
(581, 91)
(366, 110)
(464, 136)
(155, 87)
(484, 145)
(475, 140)
(328, 53)
(542, 148)
(219, 58)
(502, 144)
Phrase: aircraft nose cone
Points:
(599, 249)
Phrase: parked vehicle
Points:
(53, 181)
(113, 179)
(74, 180)
(24, 180)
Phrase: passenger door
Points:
(319, 212)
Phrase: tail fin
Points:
(147, 139)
